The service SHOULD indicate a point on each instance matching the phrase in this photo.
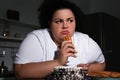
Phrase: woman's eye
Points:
(70, 21)
(58, 21)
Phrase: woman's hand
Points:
(67, 49)
(84, 66)
(93, 67)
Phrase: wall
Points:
(109, 6)
(27, 9)
(83, 4)
(91, 6)
(29, 14)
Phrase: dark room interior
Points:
(19, 17)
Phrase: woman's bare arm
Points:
(35, 70)
(97, 67)
(93, 67)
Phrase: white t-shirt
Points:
(38, 46)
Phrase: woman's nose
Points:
(65, 25)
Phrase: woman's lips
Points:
(66, 32)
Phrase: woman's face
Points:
(63, 23)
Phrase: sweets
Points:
(68, 38)
(68, 73)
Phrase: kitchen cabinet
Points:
(15, 22)
(104, 29)
(15, 35)
(8, 53)
(9, 44)
(17, 32)
(10, 38)
(4, 40)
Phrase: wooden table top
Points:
(111, 74)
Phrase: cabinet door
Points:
(111, 41)
(103, 28)
(92, 26)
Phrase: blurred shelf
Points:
(8, 74)
(15, 22)
(10, 38)
(12, 47)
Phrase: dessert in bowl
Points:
(68, 73)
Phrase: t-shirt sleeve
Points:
(95, 50)
(30, 50)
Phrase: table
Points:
(101, 78)
(105, 75)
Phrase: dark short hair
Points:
(48, 8)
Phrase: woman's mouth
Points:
(66, 32)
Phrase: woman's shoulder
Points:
(81, 35)
(39, 31)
